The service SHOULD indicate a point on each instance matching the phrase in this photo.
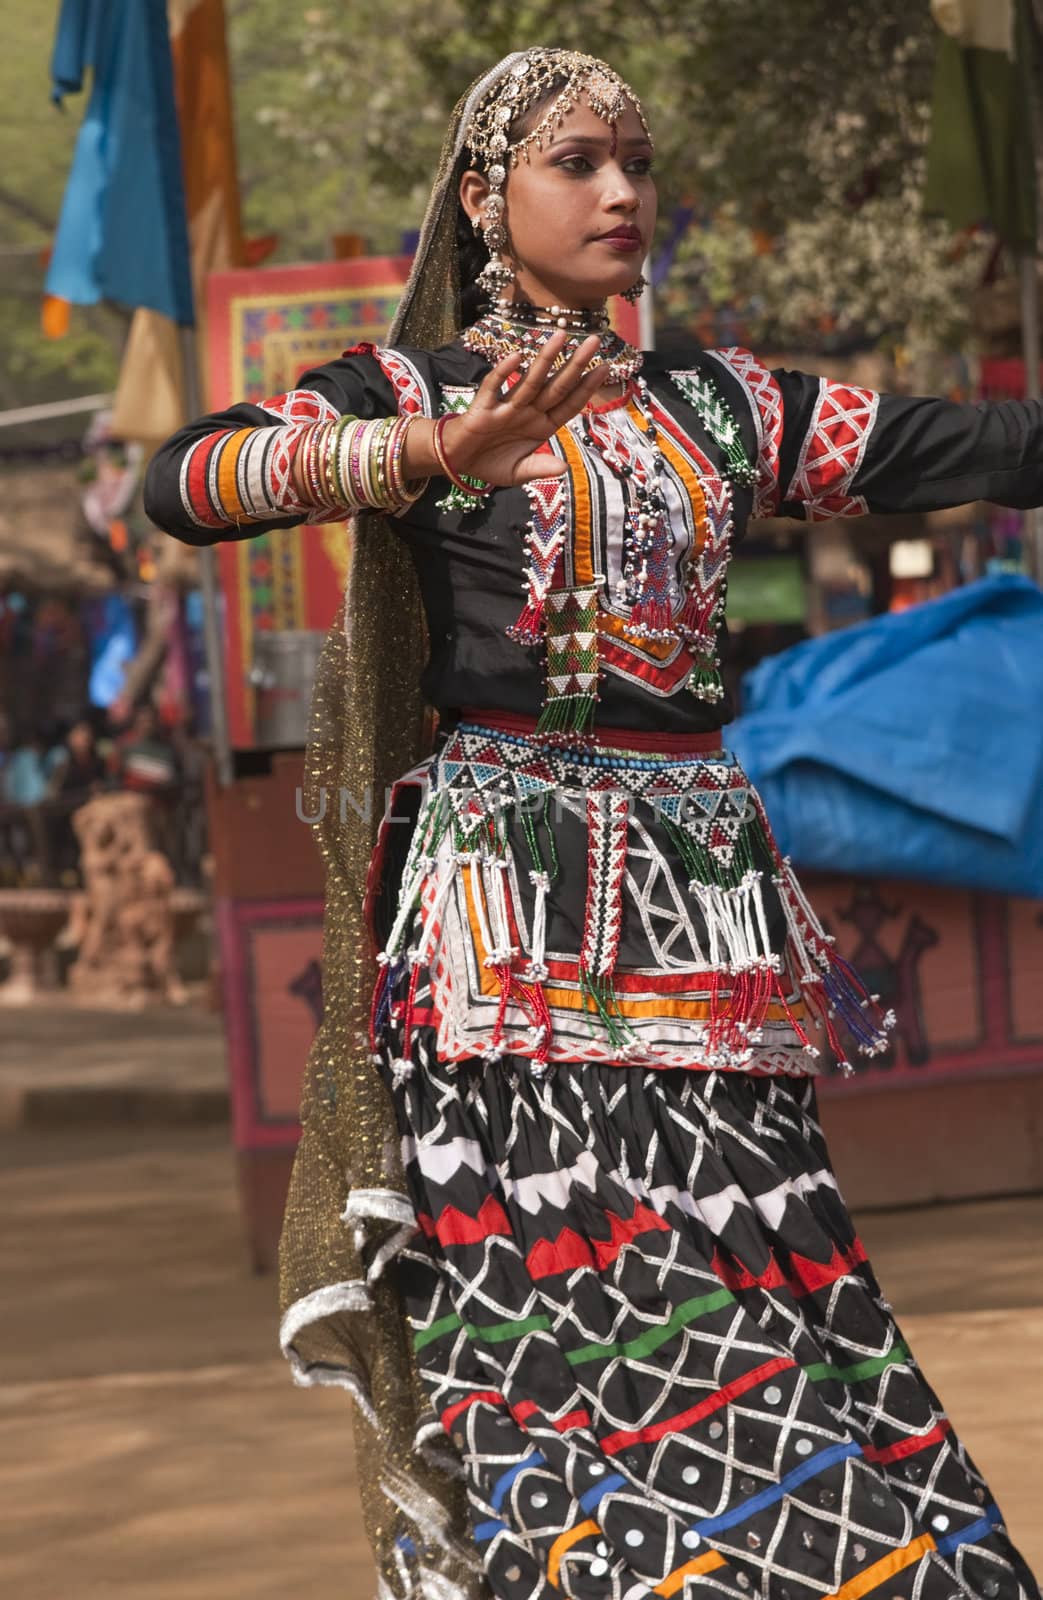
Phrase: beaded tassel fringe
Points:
(731, 859)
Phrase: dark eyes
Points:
(639, 166)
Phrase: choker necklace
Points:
(555, 317)
(524, 328)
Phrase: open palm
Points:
(498, 437)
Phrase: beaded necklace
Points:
(646, 586)
(509, 327)
(577, 319)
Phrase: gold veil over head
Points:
(348, 1210)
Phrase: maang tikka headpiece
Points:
(525, 84)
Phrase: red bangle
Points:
(475, 487)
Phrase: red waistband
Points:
(668, 744)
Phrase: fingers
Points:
(539, 388)
(529, 391)
(557, 396)
(559, 383)
(570, 404)
(489, 390)
(559, 389)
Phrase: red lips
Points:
(626, 238)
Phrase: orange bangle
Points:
(476, 487)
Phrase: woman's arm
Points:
(342, 443)
(833, 449)
(231, 475)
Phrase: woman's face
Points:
(580, 211)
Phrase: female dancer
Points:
(563, 1126)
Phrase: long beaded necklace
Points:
(646, 584)
(660, 608)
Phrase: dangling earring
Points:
(636, 290)
(496, 276)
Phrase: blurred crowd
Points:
(47, 775)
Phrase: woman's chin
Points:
(596, 291)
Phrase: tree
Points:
(798, 130)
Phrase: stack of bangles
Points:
(357, 466)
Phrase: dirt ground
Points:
(151, 1443)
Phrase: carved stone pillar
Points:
(126, 914)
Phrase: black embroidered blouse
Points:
(820, 449)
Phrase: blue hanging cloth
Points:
(123, 230)
(113, 647)
(911, 745)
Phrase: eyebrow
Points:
(599, 144)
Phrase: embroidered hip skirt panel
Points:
(586, 905)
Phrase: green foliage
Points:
(324, 144)
(805, 123)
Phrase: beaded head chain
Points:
(563, 76)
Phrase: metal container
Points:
(281, 677)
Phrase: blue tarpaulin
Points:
(911, 745)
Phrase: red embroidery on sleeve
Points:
(833, 450)
(301, 405)
(402, 376)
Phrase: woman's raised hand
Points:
(497, 438)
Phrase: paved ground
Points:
(150, 1443)
(65, 1063)
(150, 1439)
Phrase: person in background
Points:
(5, 745)
(26, 783)
(78, 767)
(26, 773)
(146, 762)
(77, 771)
(145, 759)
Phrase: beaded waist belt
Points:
(639, 740)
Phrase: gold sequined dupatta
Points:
(348, 1211)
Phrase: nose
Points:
(620, 195)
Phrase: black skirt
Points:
(646, 1324)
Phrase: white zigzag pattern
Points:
(546, 533)
(607, 821)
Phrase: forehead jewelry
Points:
(567, 76)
